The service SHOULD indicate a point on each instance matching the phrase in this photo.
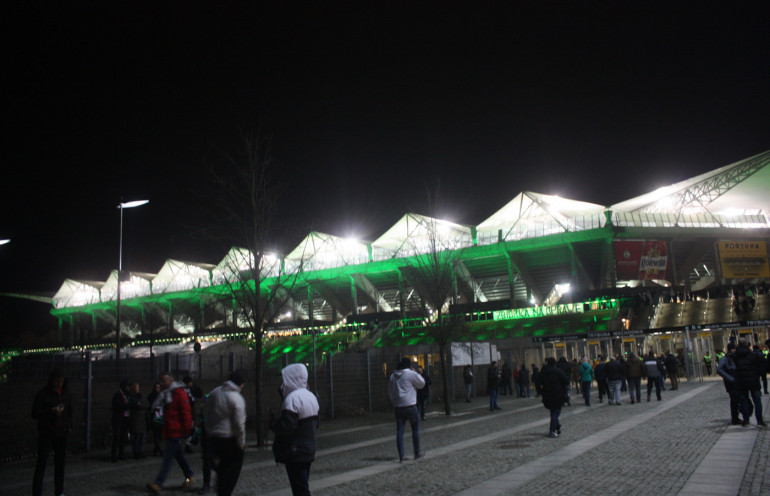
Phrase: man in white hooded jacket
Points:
(295, 428)
(225, 418)
(402, 391)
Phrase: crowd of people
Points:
(168, 413)
(743, 370)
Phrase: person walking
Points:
(672, 370)
(555, 383)
(493, 384)
(728, 372)
(565, 367)
(155, 413)
(523, 381)
(121, 412)
(635, 370)
(536, 381)
(707, 362)
(507, 380)
(468, 380)
(177, 423)
(402, 391)
(586, 378)
(747, 371)
(295, 428)
(615, 375)
(52, 408)
(137, 420)
(600, 373)
(423, 394)
(652, 368)
(224, 411)
(575, 375)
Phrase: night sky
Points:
(369, 105)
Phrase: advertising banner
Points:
(743, 259)
(641, 259)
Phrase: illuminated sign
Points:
(534, 312)
(741, 259)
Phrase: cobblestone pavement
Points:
(646, 448)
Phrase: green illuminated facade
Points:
(532, 268)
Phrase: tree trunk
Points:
(258, 369)
(444, 378)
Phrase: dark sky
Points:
(368, 104)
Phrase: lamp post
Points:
(131, 204)
(4, 241)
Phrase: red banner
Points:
(641, 260)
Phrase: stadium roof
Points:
(734, 196)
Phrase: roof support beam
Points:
(363, 283)
(328, 294)
(525, 276)
(465, 275)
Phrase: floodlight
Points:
(4, 241)
(132, 204)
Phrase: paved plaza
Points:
(682, 445)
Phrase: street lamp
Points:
(131, 204)
(4, 241)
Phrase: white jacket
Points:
(297, 397)
(403, 386)
(224, 413)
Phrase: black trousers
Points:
(45, 444)
(230, 462)
(299, 475)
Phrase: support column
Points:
(354, 295)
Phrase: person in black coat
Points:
(672, 370)
(555, 383)
(748, 369)
(121, 413)
(493, 384)
(52, 408)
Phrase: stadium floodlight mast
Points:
(123, 205)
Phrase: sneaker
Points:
(404, 459)
(154, 488)
(418, 456)
(187, 482)
(762, 423)
(632, 402)
(554, 434)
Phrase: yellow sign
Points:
(594, 343)
(629, 340)
(704, 334)
(665, 336)
(746, 331)
(559, 345)
(742, 259)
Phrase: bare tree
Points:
(432, 272)
(254, 277)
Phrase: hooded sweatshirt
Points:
(225, 413)
(296, 426)
(403, 386)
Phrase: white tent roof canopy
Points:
(415, 233)
(74, 293)
(176, 275)
(732, 196)
(320, 251)
(535, 214)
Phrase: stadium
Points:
(542, 275)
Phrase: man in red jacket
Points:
(177, 424)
